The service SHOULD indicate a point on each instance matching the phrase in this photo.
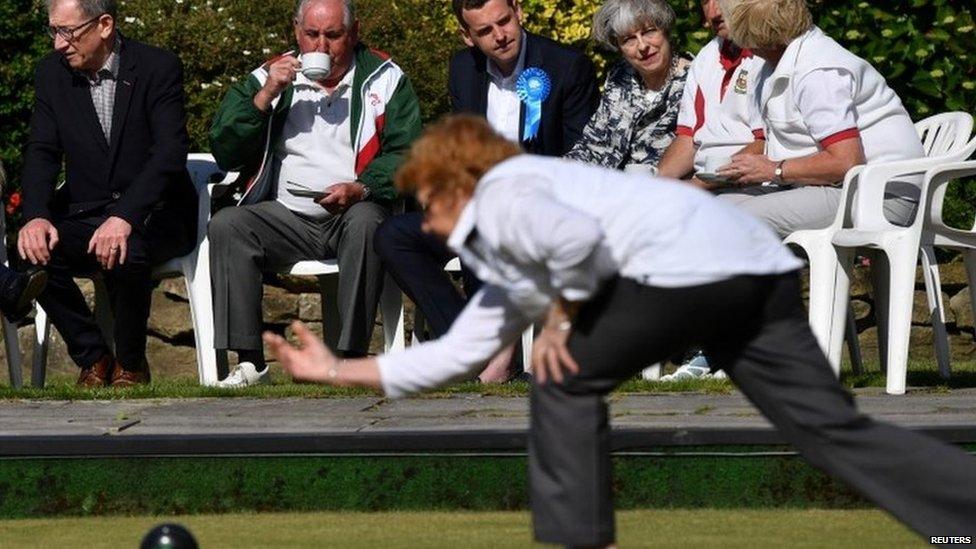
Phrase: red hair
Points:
(453, 154)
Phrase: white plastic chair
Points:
(194, 267)
(944, 139)
(10, 341)
(866, 227)
(823, 271)
(935, 233)
(391, 303)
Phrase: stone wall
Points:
(170, 345)
(959, 314)
(286, 298)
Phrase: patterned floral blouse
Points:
(631, 126)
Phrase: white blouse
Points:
(537, 228)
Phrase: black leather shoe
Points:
(17, 297)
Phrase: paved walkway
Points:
(466, 422)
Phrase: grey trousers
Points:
(247, 240)
(757, 327)
(788, 209)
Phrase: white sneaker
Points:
(696, 368)
(652, 372)
(246, 374)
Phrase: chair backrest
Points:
(203, 169)
(945, 138)
(939, 179)
(946, 134)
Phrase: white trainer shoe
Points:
(696, 368)
(652, 372)
(245, 374)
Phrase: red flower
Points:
(14, 199)
(10, 209)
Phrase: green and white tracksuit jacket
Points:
(385, 119)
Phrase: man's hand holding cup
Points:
(281, 74)
(314, 65)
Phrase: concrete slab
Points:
(463, 421)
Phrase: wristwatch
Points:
(778, 173)
(366, 191)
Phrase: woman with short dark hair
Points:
(638, 113)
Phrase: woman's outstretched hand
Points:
(311, 362)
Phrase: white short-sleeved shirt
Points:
(819, 94)
(718, 108)
(538, 228)
(825, 99)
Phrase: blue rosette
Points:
(533, 87)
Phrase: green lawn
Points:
(677, 528)
(921, 374)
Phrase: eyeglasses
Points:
(68, 33)
(634, 40)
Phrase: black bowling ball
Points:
(169, 536)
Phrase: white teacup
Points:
(316, 65)
(713, 163)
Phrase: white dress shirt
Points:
(537, 228)
(504, 106)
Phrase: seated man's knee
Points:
(399, 232)
(134, 269)
(225, 222)
(365, 218)
(390, 236)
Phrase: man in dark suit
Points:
(493, 78)
(499, 51)
(111, 110)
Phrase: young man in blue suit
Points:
(532, 90)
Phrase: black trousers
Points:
(756, 327)
(416, 261)
(6, 275)
(129, 286)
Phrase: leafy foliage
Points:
(926, 49)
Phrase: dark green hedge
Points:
(193, 485)
(926, 48)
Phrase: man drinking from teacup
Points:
(316, 138)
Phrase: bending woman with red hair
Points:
(625, 273)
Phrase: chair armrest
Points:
(848, 188)
(867, 211)
(938, 179)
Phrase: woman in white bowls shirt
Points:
(625, 273)
(825, 110)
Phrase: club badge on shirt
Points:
(741, 82)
